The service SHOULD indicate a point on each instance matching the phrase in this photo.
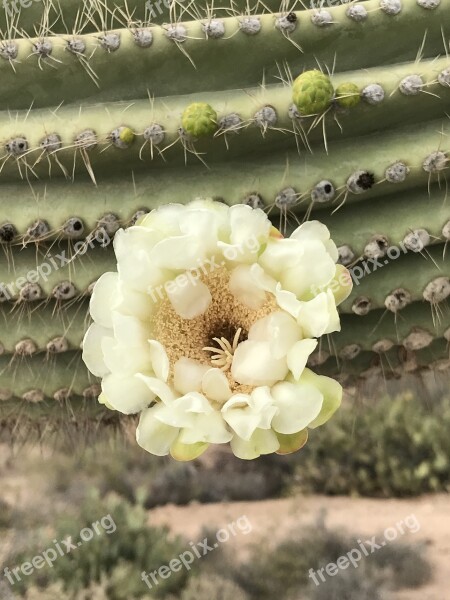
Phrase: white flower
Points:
(207, 325)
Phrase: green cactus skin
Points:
(161, 70)
(372, 154)
(134, 12)
(393, 218)
(106, 120)
(374, 171)
(391, 365)
(32, 383)
(60, 279)
(63, 330)
(411, 272)
(312, 92)
(374, 333)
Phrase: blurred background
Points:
(376, 477)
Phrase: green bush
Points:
(282, 572)
(119, 558)
(227, 479)
(350, 585)
(6, 515)
(404, 565)
(394, 447)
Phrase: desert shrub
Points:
(120, 557)
(226, 479)
(282, 572)
(349, 585)
(394, 447)
(386, 448)
(139, 476)
(277, 572)
(404, 564)
(212, 587)
(56, 591)
(6, 515)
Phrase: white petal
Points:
(332, 395)
(92, 349)
(104, 298)
(133, 248)
(188, 374)
(318, 316)
(207, 224)
(215, 385)
(154, 436)
(119, 359)
(262, 442)
(193, 402)
(278, 328)
(298, 356)
(183, 252)
(207, 428)
(262, 279)
(131, 332)
(159, 359)
(248, 224)
(246, 413)
(314, 230)
(127, 394)
(130, 351)
(250, 229)
(165, 219)
(189, 301)
(245, 289)
(279, 255)
(134, 303)
(312, 273)
(254, 364)
(183, 412)
(298, 405)
(287, 301)
(334, 323)
(236, 401)
(197, 418)
(332, 250)
(261, 400)
(243, 421)
(157, 387)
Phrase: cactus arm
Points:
(69, 82)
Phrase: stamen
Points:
(225, 352)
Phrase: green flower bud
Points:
(312, 92)
(348, 95)
(199, 119)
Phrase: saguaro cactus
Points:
(339, 114)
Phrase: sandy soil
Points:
(364, 517)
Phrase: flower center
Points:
(223, 354)
(211, 338)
